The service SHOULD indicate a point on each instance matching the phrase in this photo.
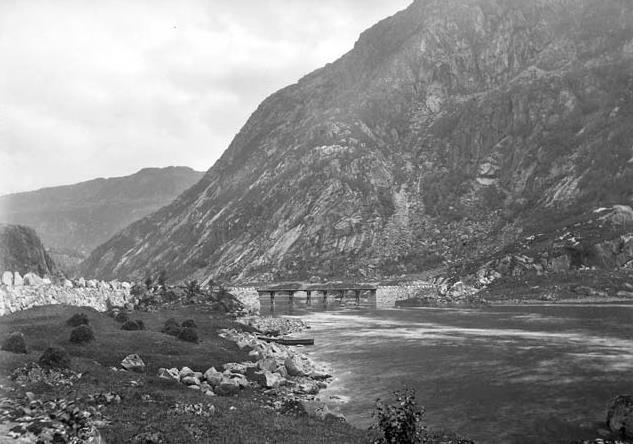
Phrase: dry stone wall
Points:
(19, 293)
(387, 295)
(247, 296)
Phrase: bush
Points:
(188, 334)
(15, 343)
(171, 327)
(121, 317)
(133, 325)
(400, 422)
(189, 323)
(54, 357)
(78, 319)
(82, 334)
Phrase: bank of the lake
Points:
(518, 374)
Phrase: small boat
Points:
(288, 341)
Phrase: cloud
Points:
(91, 88)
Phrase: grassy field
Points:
(147, 401)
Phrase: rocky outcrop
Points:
(73, 219)
(449, 130)
(22, 250)
(34, 291)
(620, 416)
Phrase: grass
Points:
(147, 399)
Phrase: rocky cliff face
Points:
(449, 130)
(74, 219)
(22, 250)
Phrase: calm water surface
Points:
(515, 374)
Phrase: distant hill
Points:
(450, 130)
(21, 250)
(74, 219)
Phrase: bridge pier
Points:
(291, 297)
(308, 297)
(324, 297)
(272, 298)
(357, 295)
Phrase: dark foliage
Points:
(78, 319)
(400, 422)
(188, 334)
(133, 325)
(171, 327)
(15, 343)
(82, 334)
(54, 357)
(189, 323)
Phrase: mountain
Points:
(21, 250)
(73, 219)
(450, 130)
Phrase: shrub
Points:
(15, 343)
(78, 319)
(188, 334)
(54, 357)
(400, 422)
(133, 325)
(121, 317)
(82, 334)
(171, 327)
(189, 323)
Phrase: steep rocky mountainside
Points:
(74, 219)
(21, 250)
(452, 129)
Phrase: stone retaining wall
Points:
(17, 293)
(247, 296)
(386, 296)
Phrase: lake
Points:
(503, 374)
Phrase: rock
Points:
(620, 415)
(18, 281)
(227, 387)
(46, 281)
(32, 279)
(15, 343)
(213, 377)
(619, 215)
(294, 366)
(624, 294)
(186, 371)
(272, 380)
(169, 373)
(92, 283)
(67, 284)
(319, 374)
(81, 282)
(133, 363)
(190, 380)
(234, 367)
(194, 386)
(126, 285)
(268, 364)
(309, 388)
(628, 286)
(7, 278)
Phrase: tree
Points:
(401, 422)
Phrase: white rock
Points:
(133, 363)
(213, 377)
(190, 380)
(186, 371)
(32, 279)
(272, 380)
(7, 278)
(234, 367)
(17, 279)
(169, 373)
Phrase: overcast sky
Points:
(103, 88)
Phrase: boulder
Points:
(7, 278)
(237, 377)
(17, 279)
(190, 380)
(126, 285)
(213, 377)
(268, 364)
(294, 366)
(67, 284)
(169, 373)
(186, 371)
(133, 363)
(272, 380)
(32, 279)
(620, 416)
(624, 294)
(47, 281)
(92, 283)
(619, 215)
(81, 282)
(234, 367)
(227, 387)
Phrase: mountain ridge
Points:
(435, 138)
